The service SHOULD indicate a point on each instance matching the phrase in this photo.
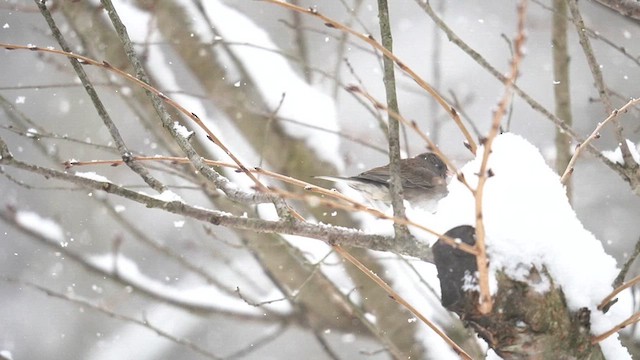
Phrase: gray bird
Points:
(423, 178)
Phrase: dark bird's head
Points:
(432, 162)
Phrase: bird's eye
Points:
(435, 160)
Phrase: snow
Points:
(124, 343)
(301, 101)
(161, 70)
(44, 227)
(31, 132)
(616, 155)
(179, 224)
(168, 195)
(91, 176)
(529, 222)
(198, 296)
(181, 130)
(406, 282)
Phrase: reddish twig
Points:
(628, 321)
(413, 125)
(605, 302)
(594, 135)
(105, 65)
(486, 302)
(371, 41)
(349, 204)
(400, 300)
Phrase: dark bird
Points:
(423, 178)
(456, 268)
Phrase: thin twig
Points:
(257, 344)
(371, 41)
(389, 79)
(630, 320)
(110, 313)
(9, 215)
(595, 135)
(627, 265)
(535, 105)
(327, 233)
(413, 125)
(350, 205)
(301, 44)
(99, 106)
(561, 91)
(352, 9)
(399, 299)
(605, 302)
(628, 8)
(221, 182)
(376, 114)
(596, 73)
(596, 35)
(486, 303)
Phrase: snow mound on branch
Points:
(530, 222)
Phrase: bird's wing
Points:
(379, 175)
(331, 178)
(418, 178)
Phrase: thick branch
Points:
(628, 8)
(327, 233)
(395, 186)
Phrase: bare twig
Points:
(301, 44)
(535, 105)
(627, 265)
(369, 40)
(396, 297)
(350, 205)
(376, 114)
(389, 79)
(352, 9)
(605, 302)
(596, 72)
(630, 320)
(97, 103)
(221, 182)
(561, 92)
(254, 345)
(597, 35)
(10, 217)
(110, 313)
(413, 125)
(486, 302)
(436, 74)
(596, 134)
(628, 8)
(330, 234)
